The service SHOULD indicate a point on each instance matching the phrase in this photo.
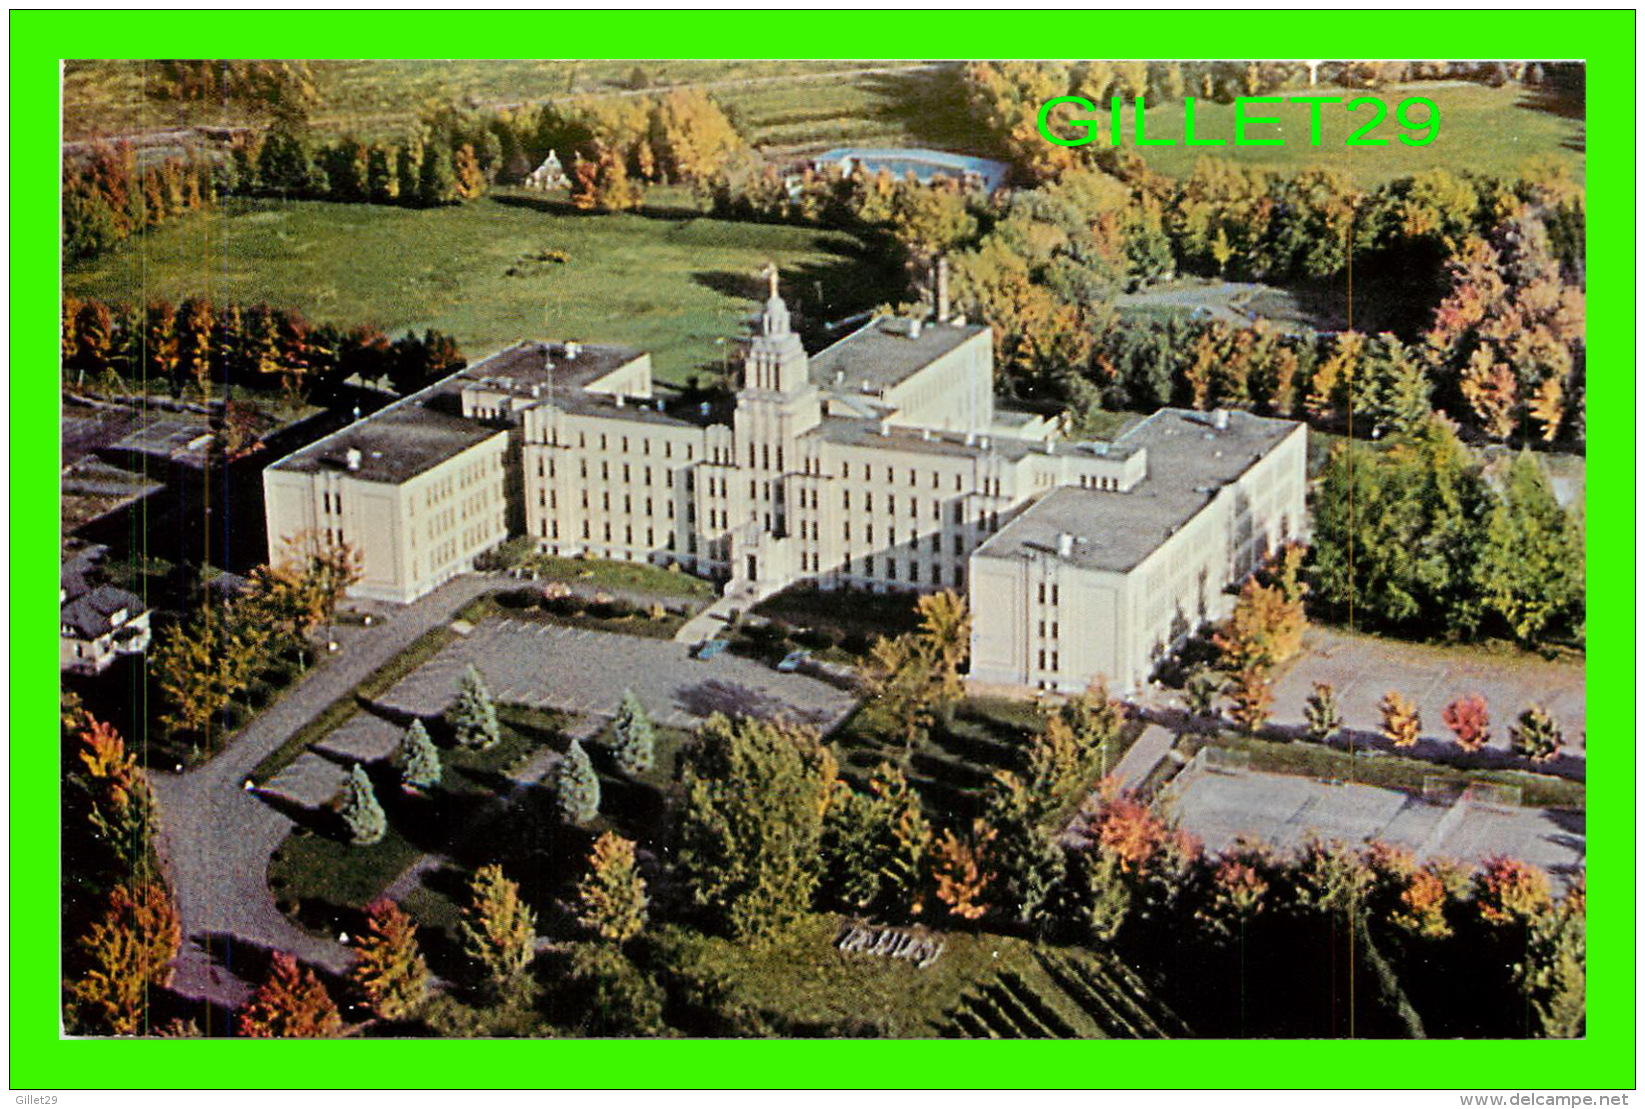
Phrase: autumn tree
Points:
(120, 803)
(902, 692)
(291, 1003)
(474, 716)
(945, 633)
(633, 738)
(127, 953)
(1536, 735)
(362, 814)
(611, 897)
(756, 795)
(1469, 720)
(1401, 723)
(389, 968)
(1422, 905)
(576, 787)
(497, 930)
(418, 758)
(959, 870)
(469, 179)
(1252, 696)
(1323, 716)
(1508, 891)
(1264, 630)
(1553, 975)
(691, 136)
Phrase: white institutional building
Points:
(879, 463)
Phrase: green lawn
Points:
(385, 98)
(799, 977)
(680, 286)
(632, 577)
(1481, 129)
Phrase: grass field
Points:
(676, 284)
(372, 98)
(1481, 129)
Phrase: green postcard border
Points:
(1605, 1060)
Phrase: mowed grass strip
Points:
(680, 286)
(1485, 130)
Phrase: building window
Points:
(1053, 596)
(890, 505)
(585, 529)
(845, 501)
(845, 469)
(1054, 665)
(602, 441)
(868, 502)
(1042, 660)
(1042, 592)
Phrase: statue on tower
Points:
(774, 320)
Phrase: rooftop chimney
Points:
(1065, 545)
(1219, 419)
(914, 327)
(352, 457)
(572, 350)
(942, 289)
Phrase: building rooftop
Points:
(1189, 460)
(883, 354)
(871, 434)
(90, 613)
(550, 367)
(396, 444)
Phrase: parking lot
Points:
(1364, 668)
(1218, 806)
(550, 666)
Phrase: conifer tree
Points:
(634, 744)
(611, 899)
(1536, 735)
(576, 786)
(390, 969)
(475, 715)
(1321, 712)
(360, 811)
(290, 1004)
(419, 759)
(498, 931)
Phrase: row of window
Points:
(1093, 481)
(890, 477)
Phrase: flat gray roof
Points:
(1188, 462)
(881, 354)
(866, 434)
(531, 363)
(395, 445)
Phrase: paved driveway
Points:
(1363, 668)
(216, 837)
(551, 666)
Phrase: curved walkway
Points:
(216, 837)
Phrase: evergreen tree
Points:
(1321, 712)
(1553, 976)
(576, 786)
(382, 175)
(1530, 568)
(360, 810)
(634, 740)
(756, 797)
(436, 180)
(419, 759)
(611, 900)
(1536, 735)
(390, 968)
(475, 715)
(498, 931)
(292, 1003)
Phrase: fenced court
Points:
(1218, 798)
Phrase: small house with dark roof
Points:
(97, 624)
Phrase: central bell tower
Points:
(775, 407)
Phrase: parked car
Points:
(791, 661)
(708, 648)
